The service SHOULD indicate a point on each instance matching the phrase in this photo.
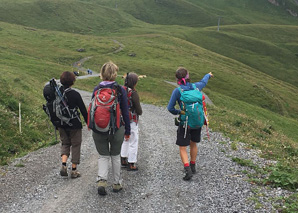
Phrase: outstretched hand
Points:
(210, 73)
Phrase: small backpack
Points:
(104, 114)
(133, 117)
(57, 107)
(192, 104)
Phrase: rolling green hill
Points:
(68, 16)
(271, 49)
(254, 59)
(206, 12)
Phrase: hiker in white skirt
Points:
(129, 149)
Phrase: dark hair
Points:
(67, 78)
(181, 72)
(131, 80)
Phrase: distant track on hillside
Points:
(121, 46)
(78, 64)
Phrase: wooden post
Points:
(20, 118)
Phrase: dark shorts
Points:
(193, 135)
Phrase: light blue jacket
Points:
(176, 93)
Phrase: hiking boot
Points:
(117, 187)
(124, 162)
(132, 167)
(102, 184)
(75, 174)
(188, 173)
(193, 168)
(63, 171)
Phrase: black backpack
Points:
(56, 106)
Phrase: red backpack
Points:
(133, 117)
(104, 114)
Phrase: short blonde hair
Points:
(108, 71)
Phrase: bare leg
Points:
(193, 151)
(64, 158)
(184, 158)
(183, 154)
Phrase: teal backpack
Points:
(192, 104)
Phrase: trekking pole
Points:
(207, 133)
(186, 123)
(56, 134)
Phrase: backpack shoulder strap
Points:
(180, 90)
(118, 89)
(67, 90)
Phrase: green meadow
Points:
(254, 58)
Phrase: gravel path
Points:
(219, 185)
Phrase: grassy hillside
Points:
(102, 16)
(247, 61)
(28, 60)
(271, 49)
(68, 16)
(50, 53)
(165, 12)
(274, 54)
(205, 12)
(252, 11)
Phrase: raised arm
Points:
(201, 84)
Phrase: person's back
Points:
(75, 101)
(129, 147)
(186, 136)
(71, 135)
(108, 144)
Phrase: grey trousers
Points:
(108, 148)
(103, 168)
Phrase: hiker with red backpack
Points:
(106, 114)
(191, 117)
(129, 149)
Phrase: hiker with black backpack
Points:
(129, 149)
(62, 108)
(191, 117)
(106, 114)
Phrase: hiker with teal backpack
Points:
(191, 117)
(108, 118)
(129, 149)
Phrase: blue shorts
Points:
(193, 135)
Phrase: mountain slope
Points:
(205, 12)
(271, 49)
(69, 16)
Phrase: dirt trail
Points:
(219, 185)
